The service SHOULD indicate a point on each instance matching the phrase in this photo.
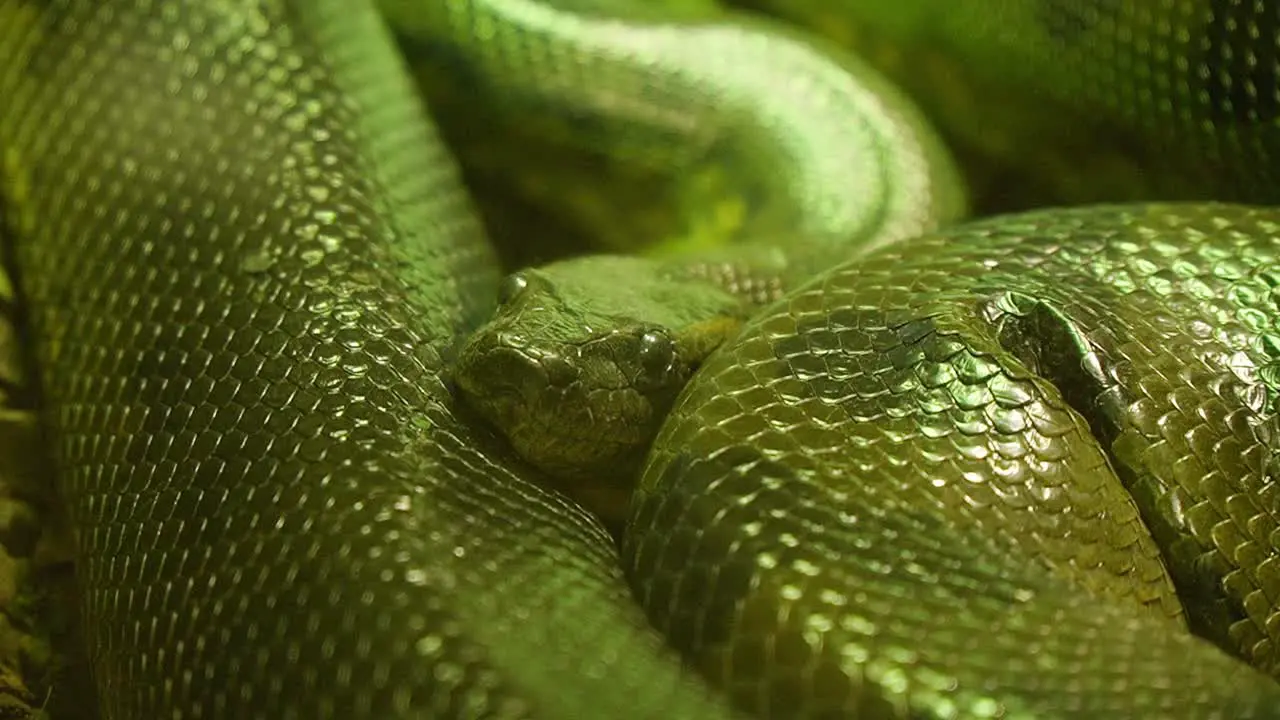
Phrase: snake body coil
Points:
(238, 298)
(951, 456)
(247, 260)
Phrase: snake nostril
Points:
(534, 373)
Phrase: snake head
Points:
(583, 359)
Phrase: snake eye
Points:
(657, 352)
(511, 287)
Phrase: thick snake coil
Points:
(961, 477)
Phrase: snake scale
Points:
(987, 470)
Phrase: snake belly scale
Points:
(248, 259)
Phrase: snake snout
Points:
(515, 386)
(500, 379)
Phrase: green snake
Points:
(984, 470)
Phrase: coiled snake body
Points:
(976, 473)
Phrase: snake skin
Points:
(243, 248)
(247, 257)
(838, 164)
(925, 422)
(840, 159)
(1083, 100)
